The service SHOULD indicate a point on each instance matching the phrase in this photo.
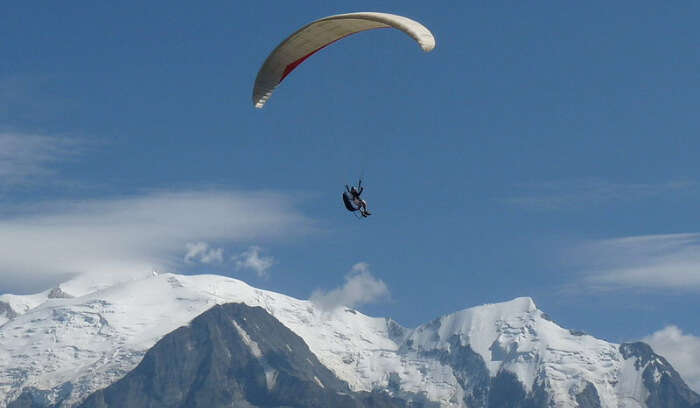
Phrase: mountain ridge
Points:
(64, 349)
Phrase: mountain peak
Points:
(524, 304)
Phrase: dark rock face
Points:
(507, 392)
(396, 332)
(27, 400)
(57, 293)
(6, 310)
(666, 387)
(233, 355)
(35, 398)
(469, 369)
(588, 398)
(639, 350)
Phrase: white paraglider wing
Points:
(321, 33)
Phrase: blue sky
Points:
(544, 150)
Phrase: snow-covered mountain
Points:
(61, 345)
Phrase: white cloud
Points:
(681, 350)
(24, 158)
(201, 252)
(360, 288)
(584, 193)
(651, 261)
(251, 259)
(134, 234)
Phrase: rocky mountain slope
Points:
(233, 355)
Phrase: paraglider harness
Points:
(352, 200)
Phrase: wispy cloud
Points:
(201, 252)
(681, 350)
(575, 194)
(134, 234)
(28, 158)
(253, 260)
(360, 288)
(669, 261)
(29, 99)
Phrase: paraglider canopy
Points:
(321, 33)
